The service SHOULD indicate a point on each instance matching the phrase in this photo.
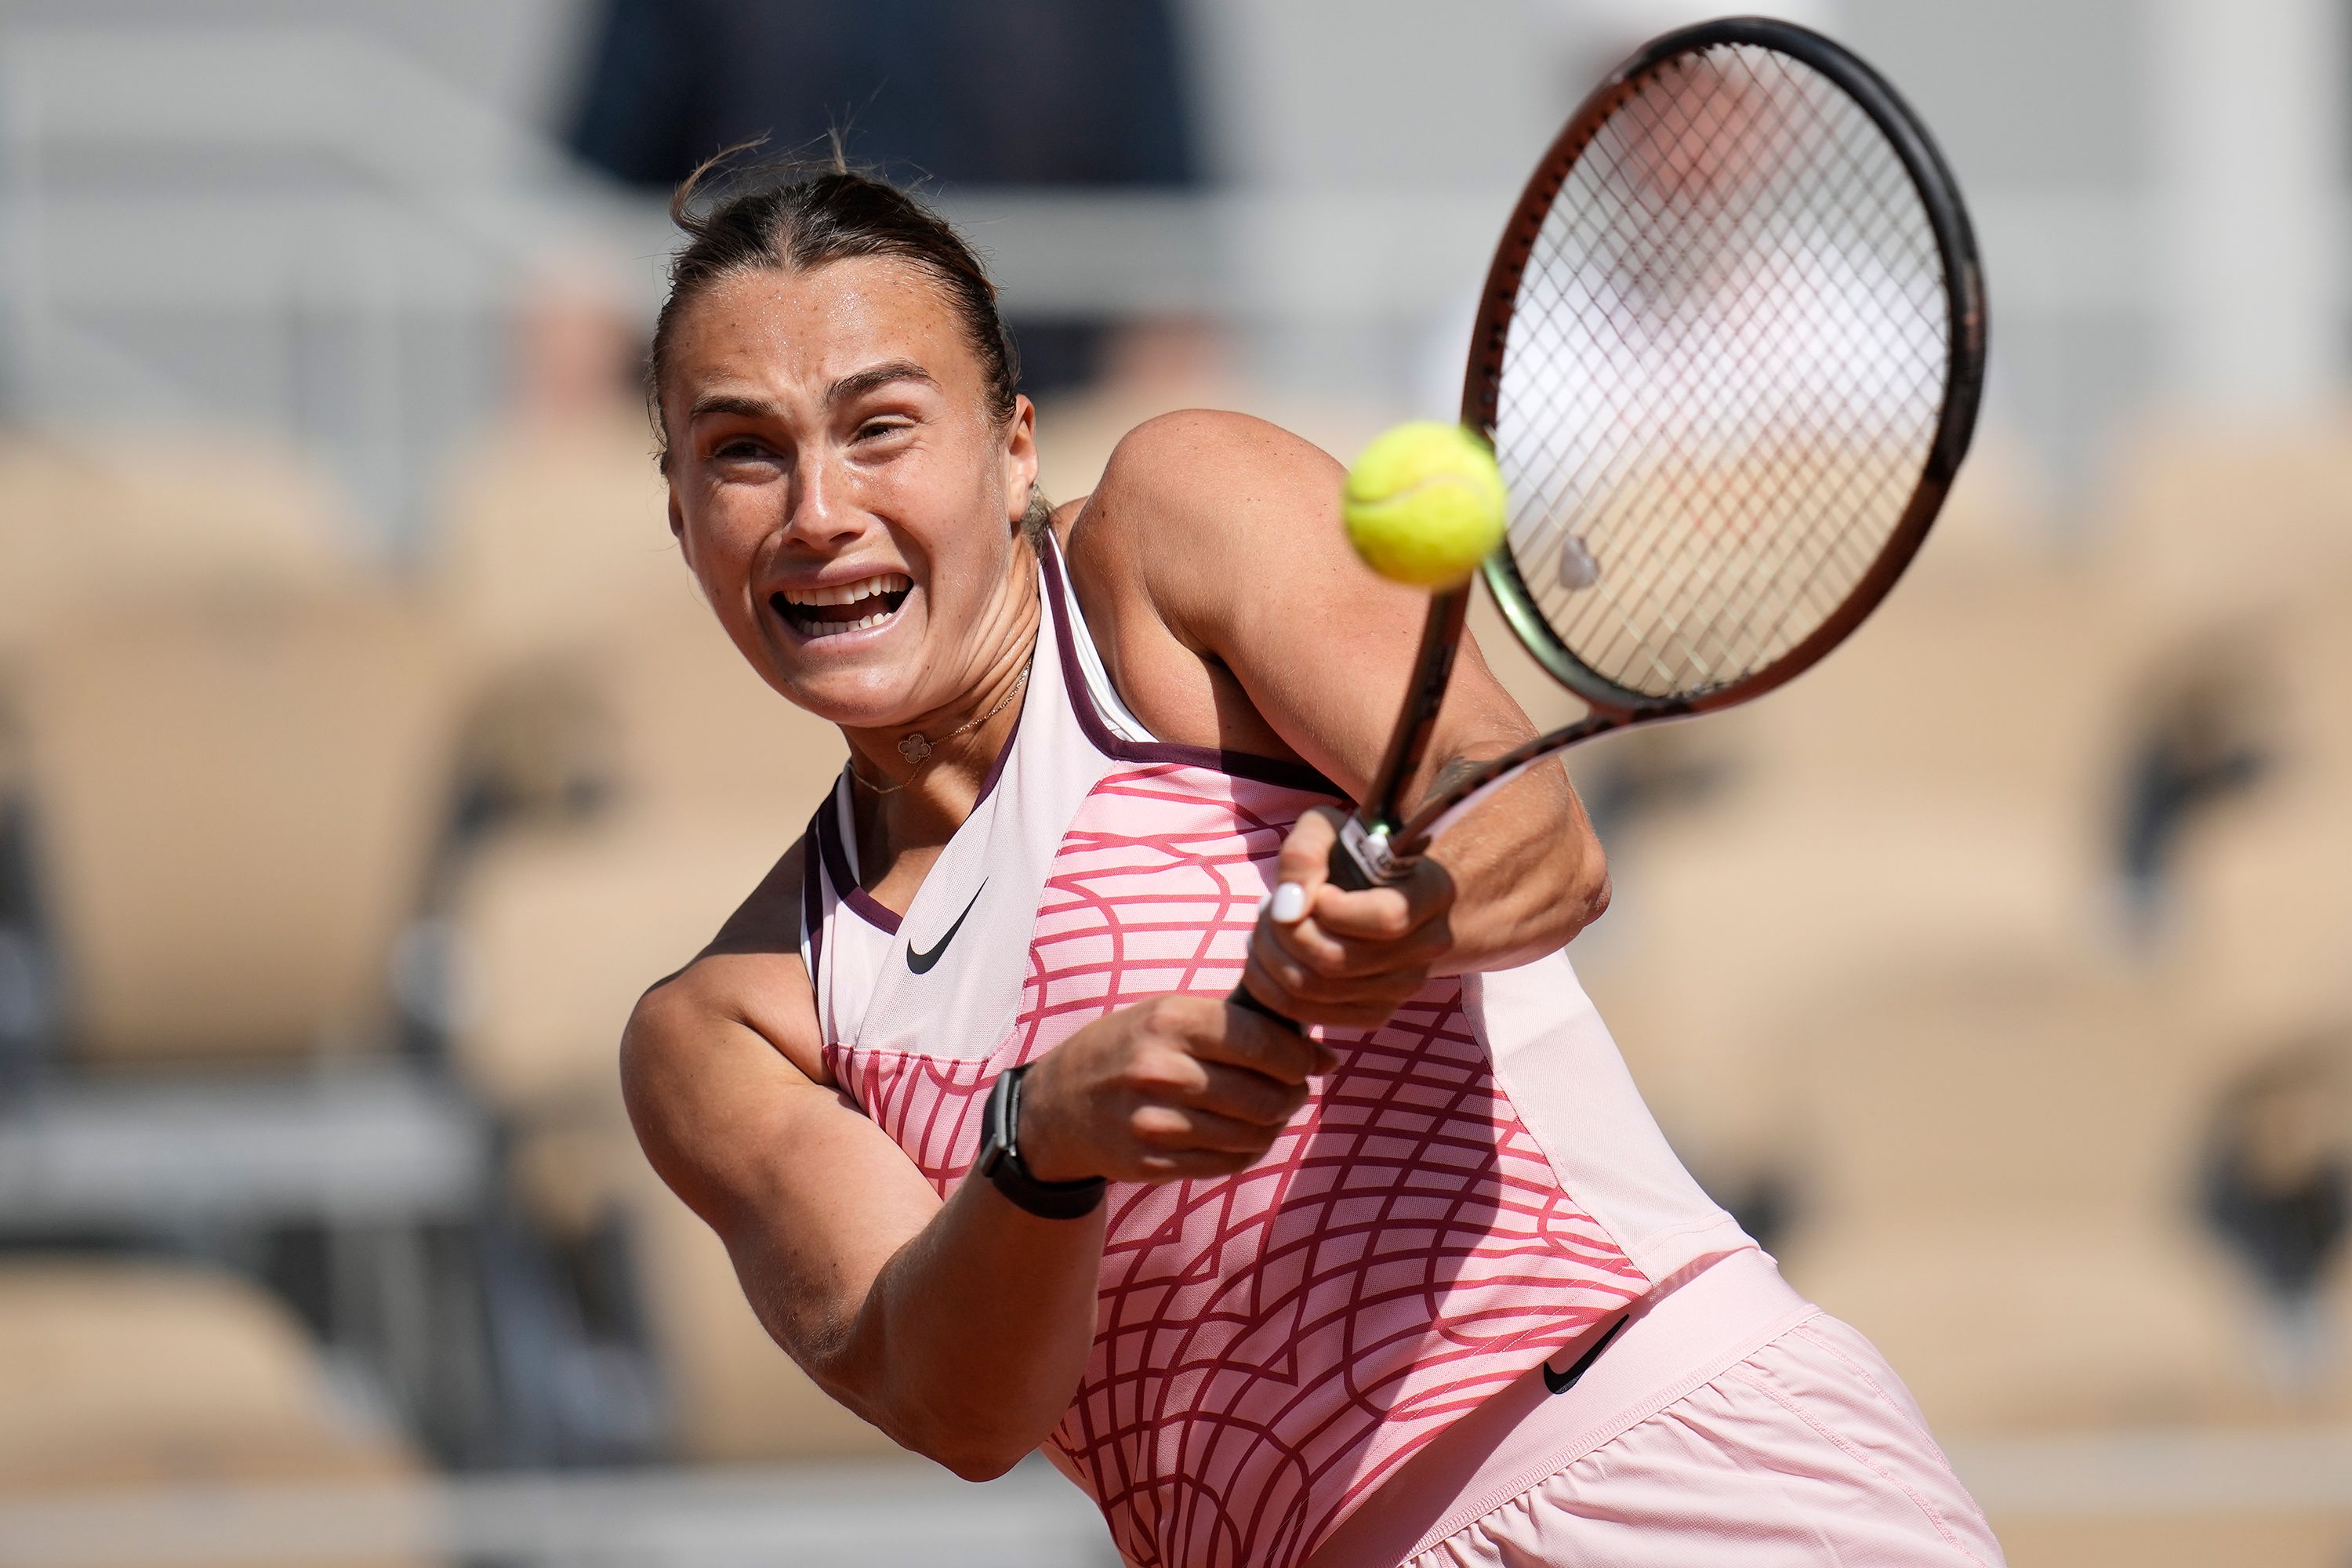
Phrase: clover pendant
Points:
(914, 748)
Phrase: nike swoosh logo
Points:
(921, 962)
(1561, 1382)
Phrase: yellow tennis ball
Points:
(1424, 504)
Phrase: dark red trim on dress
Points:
(871, 909)
(813, 890)
(827, 828)
(1238, 764)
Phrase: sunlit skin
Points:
(829, 427)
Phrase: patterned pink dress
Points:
(1476, 1184)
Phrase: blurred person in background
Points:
(541, 554)
(1023, 93)
(1266, 1299)
(2277, 1189)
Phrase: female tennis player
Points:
(958, 1086)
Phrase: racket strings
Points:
(1746, 369)
(1723, 372)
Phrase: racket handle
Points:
(1248, 1004)
(1360, 858)
(1349, 869)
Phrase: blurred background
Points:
(364, 750)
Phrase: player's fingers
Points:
(1248, 1095)
(1317, 949)
(1306, 998)
(1188, 1164)
(1303, 866)
(1424, 896)
(1396, 975)
(1170, 1128)
(1242, 1038)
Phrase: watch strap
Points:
(1000, 1159)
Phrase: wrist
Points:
(1006, 1163)
(1040, 1135)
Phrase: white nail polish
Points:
(1289, 903)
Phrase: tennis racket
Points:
(1729, 354)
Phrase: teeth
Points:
(834, 628)
(850, 593)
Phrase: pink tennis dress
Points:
(1474, 1187)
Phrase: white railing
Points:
(886, 1515)
(300, 227)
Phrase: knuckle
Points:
(1281, 971)
(1173, 1017)
(1259, 1103)
(1159, 1070)
(1327, 961)
(1157, 1127)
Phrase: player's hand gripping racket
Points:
(1729, 356)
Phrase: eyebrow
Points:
(855, 385)
(858, 383)
(731, 403)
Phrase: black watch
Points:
(1000, 1159)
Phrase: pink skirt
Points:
(1729, 1423)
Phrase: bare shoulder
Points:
(1196, 509)
(748, 981)
(1207, 476)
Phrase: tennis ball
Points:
(1424, 504)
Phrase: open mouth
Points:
(843, 607)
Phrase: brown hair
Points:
(791, 218)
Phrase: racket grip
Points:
(1248, 1004)
(1348, 871)
(1352, 868)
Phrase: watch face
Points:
(996, 1126)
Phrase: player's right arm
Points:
(960, 1327)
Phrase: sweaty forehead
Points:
(814, 326)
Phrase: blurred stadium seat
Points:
(698, 731)
(128, 1373)
(2010, 689)
(553, 535)
(2011, 1081)
(234, 802)
(553, 960)
(2205, 518)
(2260, 940)
(552, 543)
(163, 514)
(2001, 1190)
(1786, 903)
(2166, 1538)
(2012, 1322)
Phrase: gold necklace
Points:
(918, 749)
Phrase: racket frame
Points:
(1384, 838)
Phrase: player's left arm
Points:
(1225, 530)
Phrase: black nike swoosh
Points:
(921, 962)
(1561, 1382)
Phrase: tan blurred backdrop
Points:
(365, 749)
